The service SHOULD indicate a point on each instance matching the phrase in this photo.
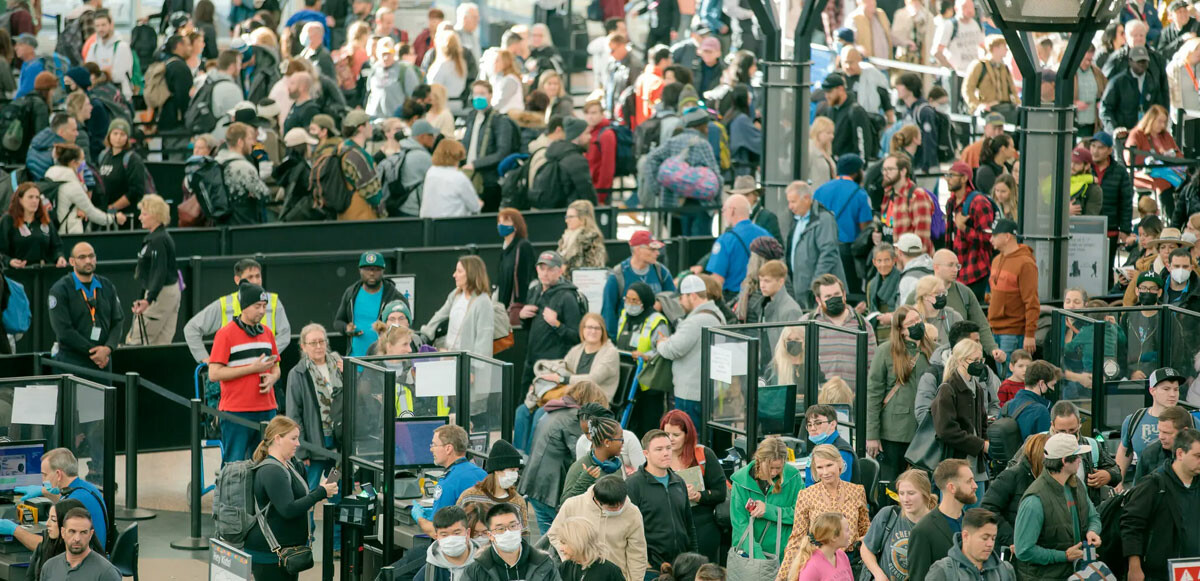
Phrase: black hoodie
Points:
(545, 341)
(532, 565)
(574, 178)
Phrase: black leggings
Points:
(708, 534)
(271, 572)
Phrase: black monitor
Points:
(414, 435)
(777, 410)
(21, 463)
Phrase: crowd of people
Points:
(311, 112)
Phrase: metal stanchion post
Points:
(329, 515)
(195, 541)
(131, 511)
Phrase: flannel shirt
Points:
(973, 246)
(701, 155)
(359, 168)
(909, 209)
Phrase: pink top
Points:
(819, 569)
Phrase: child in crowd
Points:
(1016, 380)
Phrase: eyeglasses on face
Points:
(500, 529)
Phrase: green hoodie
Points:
(780, 508)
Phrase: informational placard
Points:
(35, 405)
(720, 364)
(227, 563)
(436, 378)
(590, 282)
(407, 285)
(1088, 262)
(1185, 569)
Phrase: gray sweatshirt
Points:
(683, 349)
(208, 321)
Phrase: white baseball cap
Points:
(692, 284)
(1060, 446)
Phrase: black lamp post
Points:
(1047, 131)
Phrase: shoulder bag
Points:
(514, 306)
(741, 564)
(293, 559)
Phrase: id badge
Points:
(95, 333)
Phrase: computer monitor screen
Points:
(413, 437)
(777, 410)
(20, 464)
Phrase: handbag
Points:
(1092, 571)
(514, 307)
(693, 182)
(656, 375)
(502, 334)
(742, 566)
(925, 451)
(190, 213)
(293, 559)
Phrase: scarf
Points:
(886, 291)
(607, 466)
(324, 389)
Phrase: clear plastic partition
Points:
(90, 431)
(1183, 349)
(1082, 358)
(725, 374)
(365, 427)
(839, 378)
(29, 409)
(490, 389)
(1140, 340)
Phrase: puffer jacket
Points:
(40, 156)
(71, 197)
(1117, 186)
(554, 447)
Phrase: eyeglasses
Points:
(818, 423)
(514, 527)
(316, 343)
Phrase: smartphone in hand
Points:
(335, 475)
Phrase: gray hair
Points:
(62, 459)
(310, 328)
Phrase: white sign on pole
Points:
(1087, 254)
(407, 285)
(720, 364)
(590, 282)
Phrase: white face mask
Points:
(1180, 275)
(508, 478)
(508, 541)
(453, 546)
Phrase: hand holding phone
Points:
(335, 475)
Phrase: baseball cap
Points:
(1165, 374)
(710, 43)
(298, 136)
(1004, 226)
(1139, 53)
(422, 127)
(1060, 446)
(692, 284)
(355, 118)
(1104, 138)
(961, 168)
(643, 238)
(325, 122)
(374, 259)
(550, 258)
(1081, 155)
(833, 80)
(995, 119)
(910, 243)
(26, 38)
(1149, 276)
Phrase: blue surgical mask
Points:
(505, 229)
(50, 488)
(479, 103)
(823, 438)
(633, 310)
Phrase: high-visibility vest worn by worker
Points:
(230, 309)
(645, 338)
(404, 403)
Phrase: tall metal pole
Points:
(131, 510)
(810, 17)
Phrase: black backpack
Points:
(200, 116)
(143, 41)
(546, 191)
(70, 40)
(391, 172)
(945, 137)
(204, 178)
(646, 136)
(514, 186)
(327, 182)
(1004, 436)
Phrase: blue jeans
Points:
(691, 408)
(238, 442)
(545, 513)
(314, 472)
(524, 426)
(1008, 344)
(695, 224)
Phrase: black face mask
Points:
(978, 369)
(916, 332)
(794, 348)
(1147, 299)
(835, 306)
(939, 302)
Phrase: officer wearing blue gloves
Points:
(449, 449)
(60, 478)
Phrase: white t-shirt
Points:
(962, 48)
(458, 312)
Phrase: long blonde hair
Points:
(1146, 123)
(926, 285)
(919, 480)
(279, 427)
(820, 124)
(785, 367)
(768, 451)
(583, 538)
(965, 348)
(587, 214)
(440, 99)
(447, 47)
(835, 391)
(824, 529)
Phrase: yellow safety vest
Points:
(406, 404)
(231, 309)
(652, 322)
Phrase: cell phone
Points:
(334, 475)
(749, 505)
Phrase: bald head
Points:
(83, 260)
(945, 265)
(736, 209)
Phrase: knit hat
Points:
(846, 35)
(695, 117)
(502, 457)
(250, 293)
(767, 247)
(81, 77)
(396, 306)
(118, 123)
(849, 164)
(688, 97)
(1149, 276)
(573, 127)
(45, 81)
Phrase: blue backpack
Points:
(17, 315)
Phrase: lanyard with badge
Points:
(95, 334)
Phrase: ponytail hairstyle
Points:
(992, 145)
(824, 529)
(391, 335)
(683, 568)
(280, 426)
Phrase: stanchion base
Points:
(191, 544)
(134, 514)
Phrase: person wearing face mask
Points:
(1142, 328)
(607, 439)
(930, 301)
(959, 409)
(839, 350)
(641, 266)
(640, 329)
(1031, 406)
(1183, 290)
(490, 137)
(822, 425)
(510, 556)
(606, 506)
(453, 549)
(503, 467)
(1157, 259)
(892, 382)
(787, 361)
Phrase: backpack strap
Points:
(1134, 419)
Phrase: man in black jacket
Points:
(510, 555)
(179, 84)
(553, 313)
(490, 138)
(1158, 522)
(933, 535)
(1130, 94)
(1117, 188)
(565, 177)
(666, 513)
(1182, 23)
(363, 302)
(853, 132)
(85, 313)
(1099, 469)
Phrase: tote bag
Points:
(741, 566)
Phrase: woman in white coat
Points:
(467, 311)
(448, 192)
(73, 199)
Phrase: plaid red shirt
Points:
(909, 209)
(973, 245)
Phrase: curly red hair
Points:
(18, 213)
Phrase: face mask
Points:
(453, 546)
(1180, 275)
(939, 302)
(505, 229)
(507, 478)
(916, 332)
(50, 488)
(633, 310)
(835, 306)
(794, 348)
(1147, 299)
(508, 541)
(977, 368)
(822, 438)
(610, 513)
(479, 103)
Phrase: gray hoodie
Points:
(956, 567)
(683, 349)
(417, 161)
(913, 271)
(436, 559)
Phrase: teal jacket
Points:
(780, 509)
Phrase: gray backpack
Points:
(233, 502)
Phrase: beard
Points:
(76, 548)
(965, 497)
